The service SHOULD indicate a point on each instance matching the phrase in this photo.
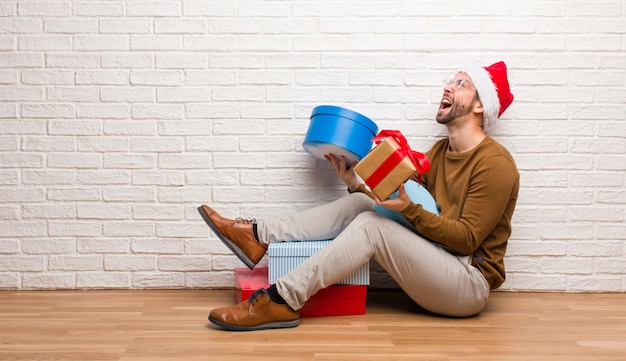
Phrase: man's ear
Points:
(478, 107)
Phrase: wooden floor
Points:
(172, 325)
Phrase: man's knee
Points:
(362, 202)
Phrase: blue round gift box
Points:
(339, 131)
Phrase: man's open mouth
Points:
(445, 103)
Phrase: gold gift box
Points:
(393, 178)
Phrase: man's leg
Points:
(249, 240)
(265, 308)
(319, 223)
(435, 279)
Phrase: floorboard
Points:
(154, 325)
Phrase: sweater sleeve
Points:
(489, 190)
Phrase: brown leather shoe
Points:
(258, 312)
(236, 234)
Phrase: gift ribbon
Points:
(419, 160)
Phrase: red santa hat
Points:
(492, 86)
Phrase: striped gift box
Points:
(285, 256)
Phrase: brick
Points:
(189, 128)
(161, 178)
(48, 246)
(128, 229)
(158, 280)
(8, 212)
(104, 9)
(128, 161)
(101, 42)
(119, 128)
(213, 279)
(185, 194)
(158, 246)
(183, 95)
(49, 211)
(48, 177)
(212, 144)
(127, 60)
(103, 111)
(8, 111)
(184, 161)
(102, 77)
(128, 194)
(49, 281)
(104, 177)
(74, 160)
(130, 263)
(72, 60)
(156, 43)
(9, 280)
(48, 111)
(103, 211)
(180, 60)
(612, 162)
(20, 94)
(157, 212)
(156, 78)
(71, 26)
(153, 9)
(45, 43)
(596, 249)
(9, 177)
(103, 245)
(21, 194)
(536, 249)
(125, 26)
(180, 26)
(74, 127)
(157, 111)
(22, 263)
(213, 9)
(525, 282)
(184, 263)
(235, 26)
(75, 229)
(181, 230)
(106, 280)
(9, 247)
(161, 144)
(20, 25)
(214, 177)
(593, 284)
(48, 8)
(78, 94)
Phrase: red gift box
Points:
(335, 300)
(390, 164)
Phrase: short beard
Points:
(456, 111)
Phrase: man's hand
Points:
(346, 174)
(397, 204)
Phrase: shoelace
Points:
(253, 220)
(260, 292)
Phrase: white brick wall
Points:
(118, 118)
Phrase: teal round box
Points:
(339, 131)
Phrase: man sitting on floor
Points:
(448, 267)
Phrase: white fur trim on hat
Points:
(487, 92)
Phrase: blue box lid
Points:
(345, 113)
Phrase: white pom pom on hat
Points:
(492, 86)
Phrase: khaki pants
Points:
(434, 278)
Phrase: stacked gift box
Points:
(285, 256)
(347, 297)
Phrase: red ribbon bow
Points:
(419, 160)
